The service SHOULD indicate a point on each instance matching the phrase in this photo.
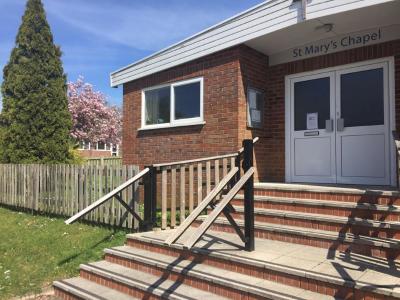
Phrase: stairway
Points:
(312, 243)
(362, 221)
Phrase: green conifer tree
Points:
(35, 117)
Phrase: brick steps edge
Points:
(141, 284)
(386, 229)
(79, 288)
(342, 209)
(329, 193)
(382, 248)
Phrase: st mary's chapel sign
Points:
(337, 43)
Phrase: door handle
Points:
(329, 125)
(340, 124)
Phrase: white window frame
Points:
(174, 123)
(116, 152)
(81, 147)
(105, 147)
(84, 146)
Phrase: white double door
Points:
(339, 126)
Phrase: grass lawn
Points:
(35, 250)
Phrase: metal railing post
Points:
(248, 196)
(150, 199)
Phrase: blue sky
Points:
(100, 36)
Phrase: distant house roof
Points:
(262, 20)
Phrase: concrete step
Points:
(355, 225)
(142, 284)
(379, 247)
(80, 288)
(219, 281)
(376, 195)
(328, 272)
(336, 208)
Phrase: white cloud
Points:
(134, 24)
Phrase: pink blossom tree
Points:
(93, 119)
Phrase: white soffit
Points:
(367, 18)
(252, 26)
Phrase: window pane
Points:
(255, 106)
(84, 145)
(187, 101)
(362, 98)
(157, 106)
(101, 146)
(311, 96)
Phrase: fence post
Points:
(248, 196)
(150, 199)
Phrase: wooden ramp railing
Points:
(202, 206)
(184, 184)
(114, 193)
(231, 181)
(221, 207)
(196, 178)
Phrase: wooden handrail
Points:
(113, 193)
(186, 162)
(203, 205)
(191, 161)
(218, 209)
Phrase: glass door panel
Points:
(361, 96)
(311, 96)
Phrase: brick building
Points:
(317, 81)
(98, 150)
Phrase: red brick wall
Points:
(94, 153)
(227, 75)
(218, 136)
(272, 166)
(253, 73)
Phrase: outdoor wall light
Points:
(325, 27)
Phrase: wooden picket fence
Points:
(66, 189)
(104, 161)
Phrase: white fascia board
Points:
(322, 8)
(260, 20)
